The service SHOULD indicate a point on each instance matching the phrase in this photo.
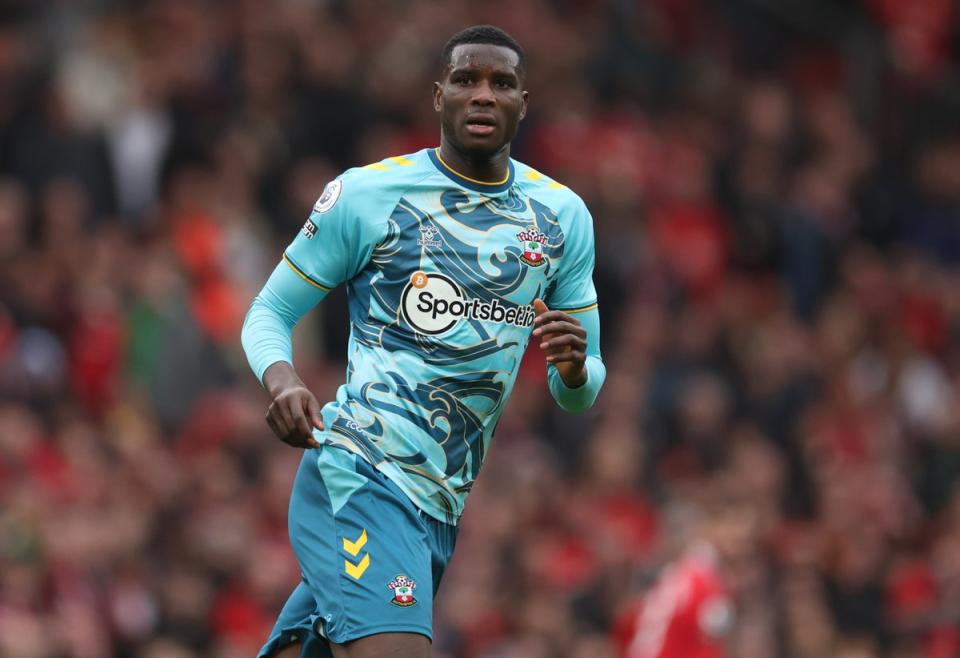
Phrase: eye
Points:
(462, 79)
(505, 83)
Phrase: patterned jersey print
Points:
(441, 273)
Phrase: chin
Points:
(481, 147)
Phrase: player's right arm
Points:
(334, 245)
(286, 297)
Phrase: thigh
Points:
(293, 634)
(291, 651)
(443, 539)
(362, 548)
(385, 645)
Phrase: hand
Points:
(294, 412)
(563, 341)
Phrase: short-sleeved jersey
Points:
(441, 273)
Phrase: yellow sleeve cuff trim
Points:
(582, 309)
(304, 276)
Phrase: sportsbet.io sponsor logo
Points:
(434, 303)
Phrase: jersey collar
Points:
(472, 183)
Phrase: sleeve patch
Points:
(331, 193)
(309, 229)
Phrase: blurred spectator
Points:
(689, 611)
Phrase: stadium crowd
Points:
(777, 207)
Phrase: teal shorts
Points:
(370, 561)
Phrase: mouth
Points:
(481, 124)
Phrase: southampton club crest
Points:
(402, 591)
(533, 241)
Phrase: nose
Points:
(483, 94)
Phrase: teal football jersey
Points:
(441, 273)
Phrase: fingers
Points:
(560, 327)
(293, 417)
(563, 343)
(304, 432)
(298, 418)
(289, 416)
(563, 339)
(313, 409)
(311, 420)
(554, 316)
(275, 424)
(571, 356)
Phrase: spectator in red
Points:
(689, 610)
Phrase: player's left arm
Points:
(568, 321)
(571, 344)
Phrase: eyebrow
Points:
(468, 68)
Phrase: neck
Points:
(490, 168)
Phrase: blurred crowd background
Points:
(776, 191)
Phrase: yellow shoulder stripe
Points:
(383, 166)
(535, 175)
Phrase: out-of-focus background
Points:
(776, 190)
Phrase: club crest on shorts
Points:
(329, 197)
(533, 241)
(402, 591)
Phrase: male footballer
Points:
(453, 257)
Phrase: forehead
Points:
(484, 55)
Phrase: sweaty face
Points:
(480, 98)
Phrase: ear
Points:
(437, 97)
(523, 108)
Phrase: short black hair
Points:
(483, 34)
